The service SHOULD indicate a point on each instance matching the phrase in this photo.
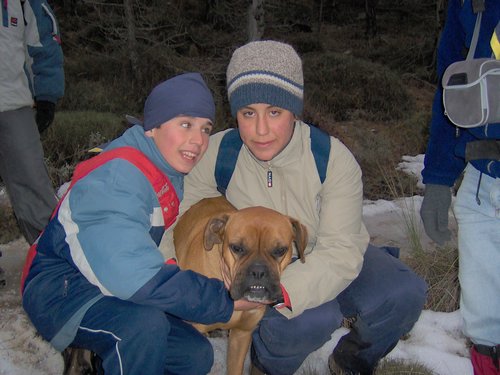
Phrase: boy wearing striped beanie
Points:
(266, 72)
(275, 161)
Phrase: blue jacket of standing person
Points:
(445, 155)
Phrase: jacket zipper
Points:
(269, 176)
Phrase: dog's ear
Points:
(214, 231)
(301, 238)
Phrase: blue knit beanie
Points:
(265, 72)
(186, 94)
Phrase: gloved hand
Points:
(44, 114)
(434, 212)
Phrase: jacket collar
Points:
(136, 138)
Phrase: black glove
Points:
(44, 114)
(434, 212)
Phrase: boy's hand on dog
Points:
(244, 305)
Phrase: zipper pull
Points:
(269, 178)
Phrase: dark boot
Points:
(81, 362)
(345, 357)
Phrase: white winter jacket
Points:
(31, 59)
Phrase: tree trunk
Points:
(256, 20)
(133, 55)
(441, 11)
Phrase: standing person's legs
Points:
(23, 170)
(386, 299)
(134, 339)
(479, 257)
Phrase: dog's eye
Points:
(238, 250)
(279, 251)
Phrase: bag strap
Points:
(230, 147)
(475, 37)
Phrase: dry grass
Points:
(385, 367)
(401, 185)
(396, 367)
(345, 88)
(440, 269)
(72, 134)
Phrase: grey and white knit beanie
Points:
(265, 72)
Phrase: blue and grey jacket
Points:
(445, 155)
(103, 241)
(29, 36)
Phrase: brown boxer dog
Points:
(255, 243)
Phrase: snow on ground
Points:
(436, 340)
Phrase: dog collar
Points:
(283, 301)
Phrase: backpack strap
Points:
(161, 184)
(227, 157)
(320, 147)
(230, 147)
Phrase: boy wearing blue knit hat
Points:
(95, 278)
(277, 167)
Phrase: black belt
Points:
(484, 149)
